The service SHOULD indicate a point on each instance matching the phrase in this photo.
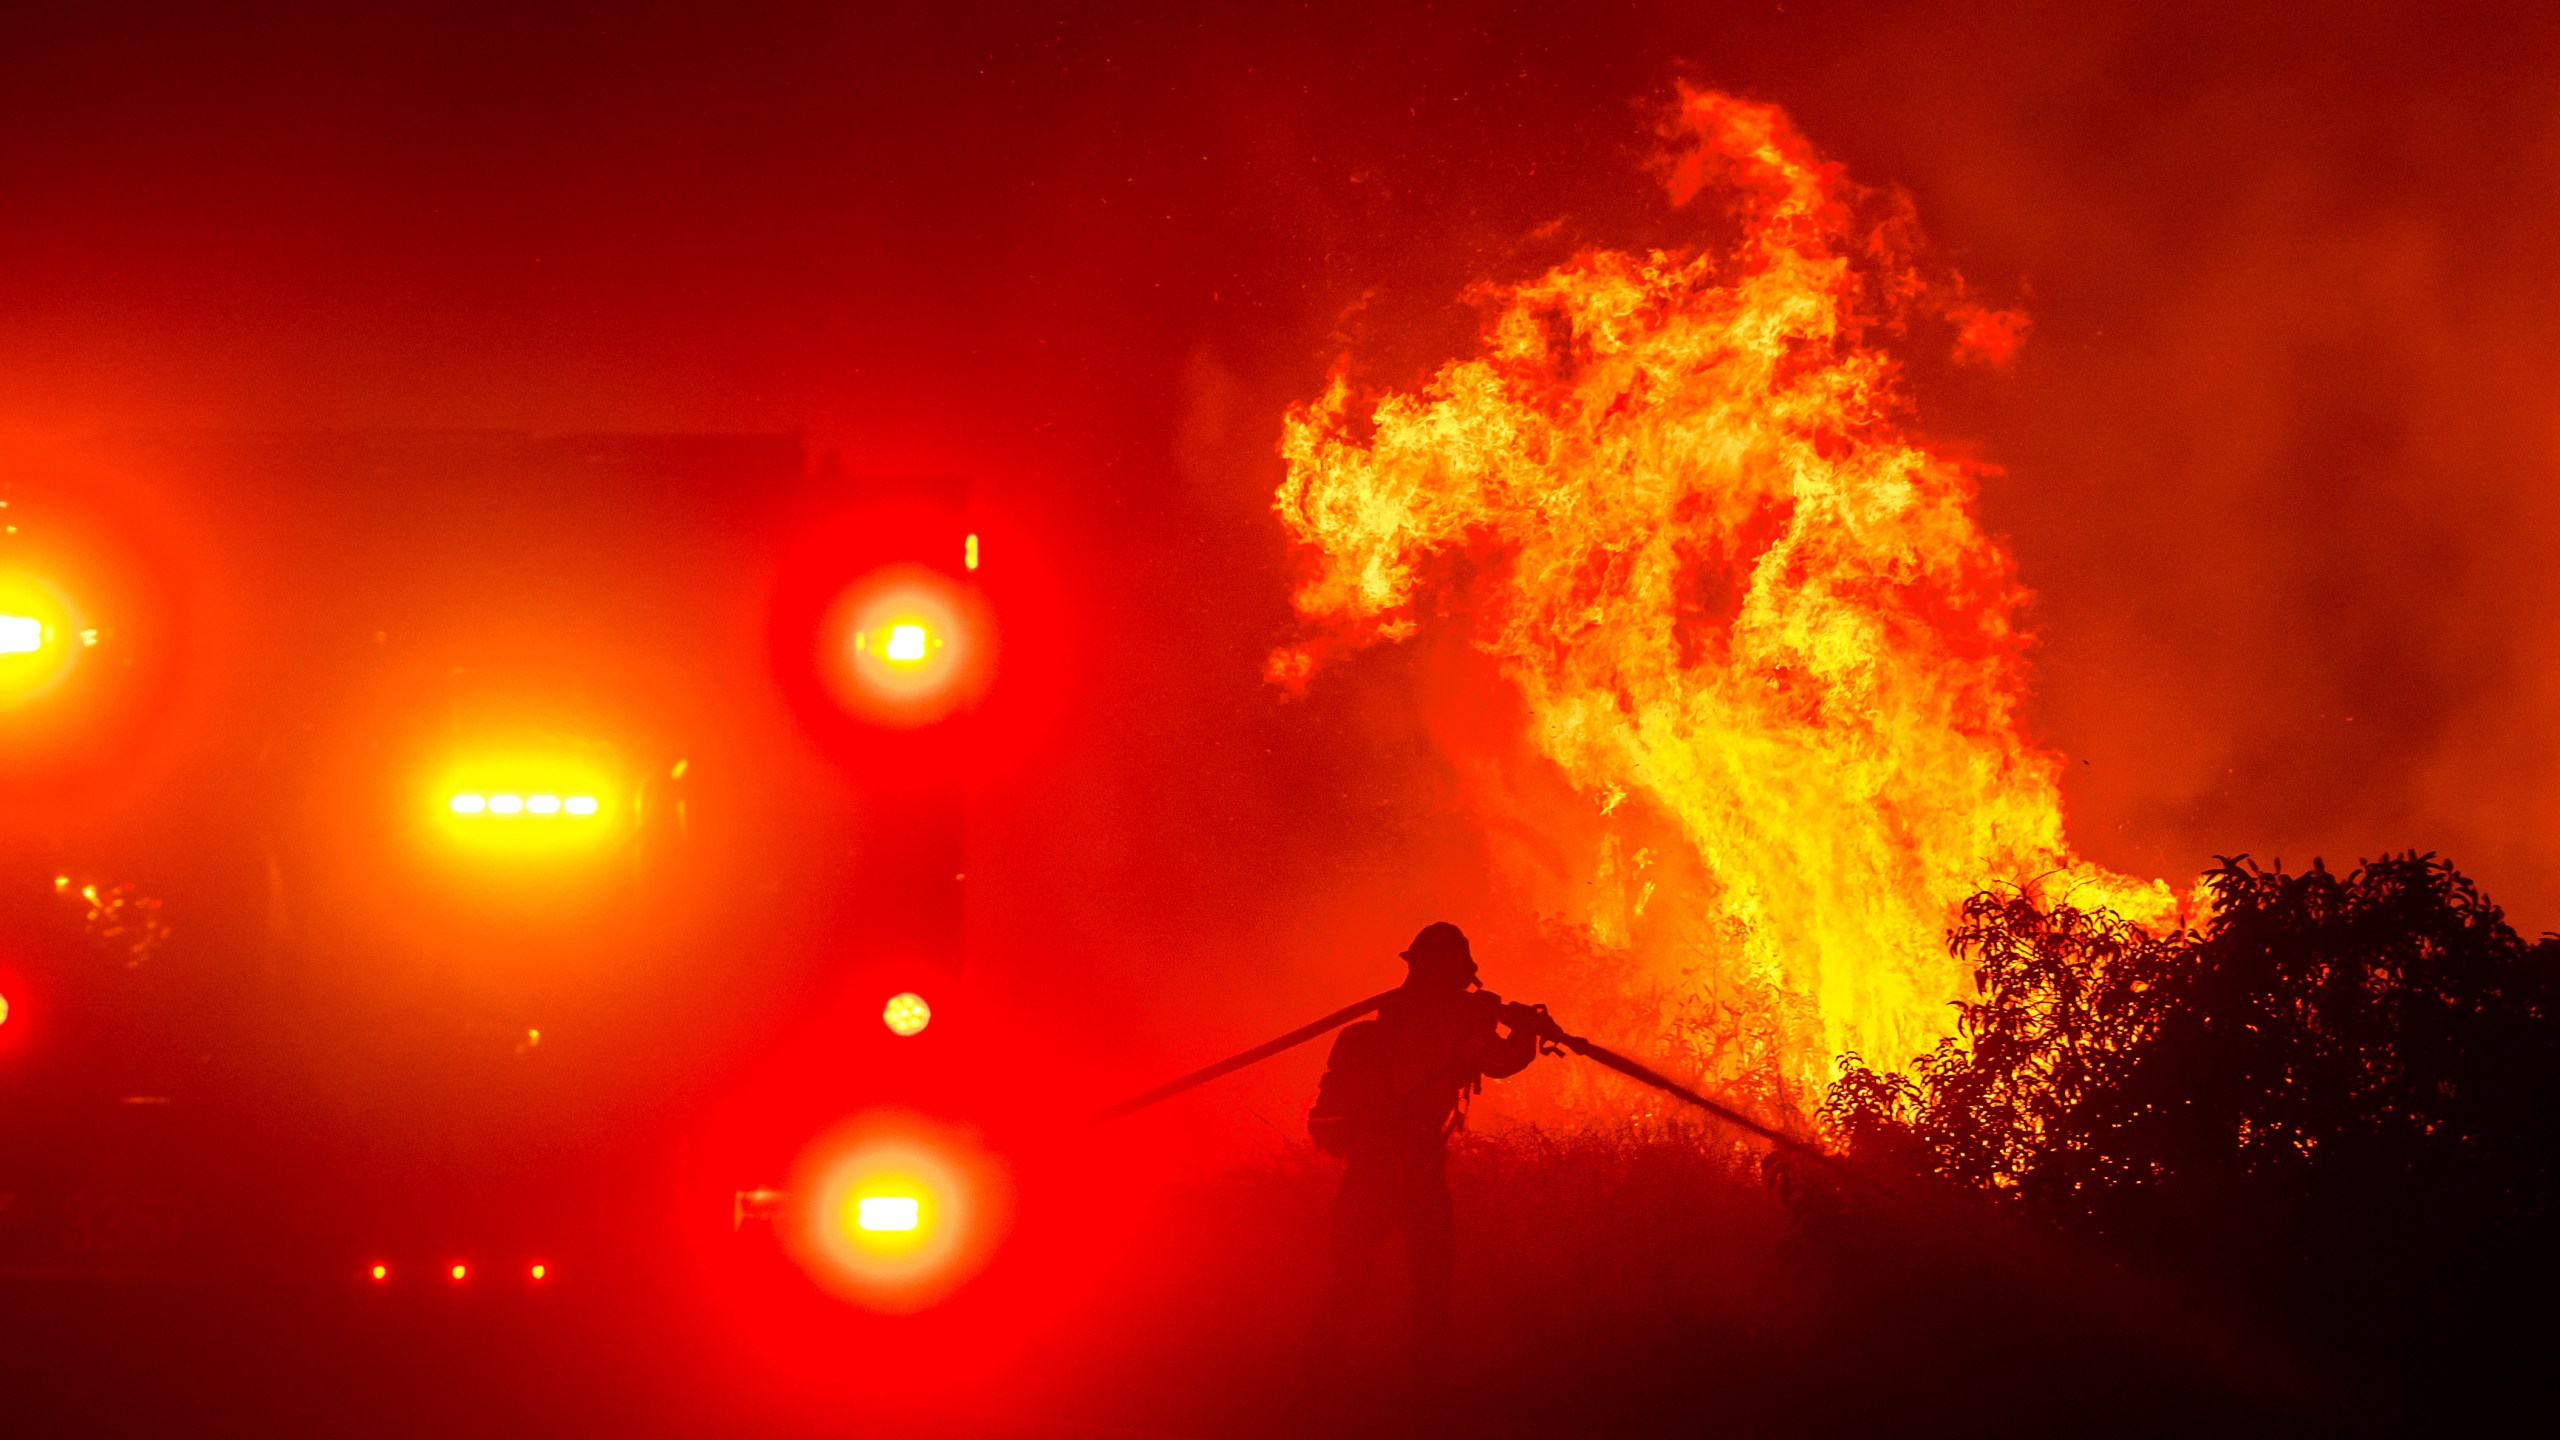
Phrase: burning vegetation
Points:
(1677, 498)
(2328, 1102)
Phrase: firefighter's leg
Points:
(1430, 1239)
(1364, 1211)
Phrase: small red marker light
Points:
(460, 1271)
(539, 1270)
(381, 1273)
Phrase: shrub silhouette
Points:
(2337, 1101)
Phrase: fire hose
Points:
(2003, 1247)
(1552, 1038)
(1233, 1063)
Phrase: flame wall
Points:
(1675, 497)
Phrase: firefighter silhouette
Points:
(1394, 1089)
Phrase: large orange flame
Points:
(1727, 582)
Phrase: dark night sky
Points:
(2276, 459)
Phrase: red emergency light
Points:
(893, 1211)
(887, 618)
(905, 645)
(42, 635)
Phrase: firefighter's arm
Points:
(1510, 1053)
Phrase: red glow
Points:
(19, 1026)
(892, 1212)
(381, 1273)
(1057, 1215)
(459, 1271)
(539, 1270)
(43, 635)
(900, 723)
(128, 633)
(906, 646)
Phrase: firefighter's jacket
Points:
(1398, 1084)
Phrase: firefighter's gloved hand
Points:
(1522, 1019)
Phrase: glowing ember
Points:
(117, 918)
(1727, 582)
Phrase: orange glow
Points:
(905, 646)
(381, 1272)
(36, 622)
(906, 1013)
(1731, 588)
(893, 1211)
(460, 1271)
(4, 1009)
(969, 552)
(539, 1270)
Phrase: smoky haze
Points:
(2275, 458)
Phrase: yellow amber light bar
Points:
(473, 802)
